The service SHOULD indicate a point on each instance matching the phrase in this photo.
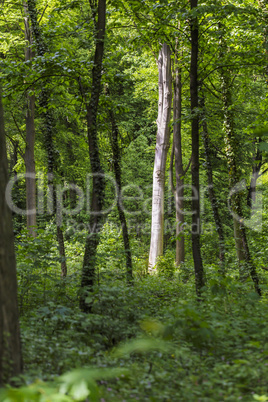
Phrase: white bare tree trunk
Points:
(161, 150)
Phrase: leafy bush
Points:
(165, 265)
(77, 385)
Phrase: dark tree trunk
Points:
(48, 129)
(10, 345)
(122, 217)
(13, 160)
(73, 126)
(212, 195)
(16, 193)
(180, 173)
(256, 168)
(30, 141)
(198, 265)
(30, 168)
(98, 187)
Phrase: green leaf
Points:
(263, 146)
(81, 390)
(143, 346)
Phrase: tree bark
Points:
(180, 173)
(161, 150)
(49, 126)
(198, 265)
(232, 151)
(30, 141)
(98, 185)
(10, 345)
(258, 158)
(122, 217)
(256, 168)
(211, 190)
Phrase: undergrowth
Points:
(152, 341)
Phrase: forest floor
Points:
(148, 342)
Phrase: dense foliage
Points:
(152, 342)
(141, 337)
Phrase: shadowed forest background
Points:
(133, 200)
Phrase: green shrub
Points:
(165, 265)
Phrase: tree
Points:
(98, 183)
(161, 150)
(232, 145)
(198, 265)
(10, 346)
(117, 173)
(257, 158)
(211, 188)
(48, 130)
(30, 140)
(177, 151)
(257, 162)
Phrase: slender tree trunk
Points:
(251, 198)
(30, 168)
(73, 126)
(242, 250)
(256, 168)
(263, 4)
(161, 150)
(10, 345)
(13, 160)
(180, 173)
(98, 187)
(212, 195)
(30, 141)
(198, 265)
(258, 157)
(16, 194)
(122, 217)
(60, 236)
(49, 127)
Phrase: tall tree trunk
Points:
(98, 187)
(198, 265)
(30, 141)
(10, 346)
(122, 217)
(16, 193)
(73, 126)
(180, 173)
(211, 190)
(49, 127)
(258, 157)
(256, 168)
(161, 150)
(242, 249)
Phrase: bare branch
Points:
(187, 167)
(42, 15)
(19, 130)
(15, 144)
